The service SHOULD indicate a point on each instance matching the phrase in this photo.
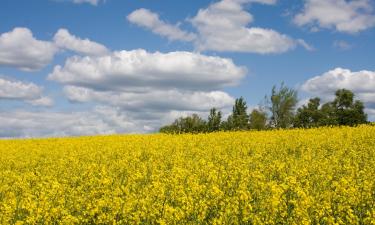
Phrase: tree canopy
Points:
(343, 110)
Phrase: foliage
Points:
(258, 120)
(343, 110)
(189, 124)
(348, 111)
(281, 106)
(310, 115)
(240, 119)
(214, 120)
(315, 176)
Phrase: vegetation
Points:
(281, 106)
(316, 176)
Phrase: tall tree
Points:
(309, 115)
(214, 120)
(258, 119)
(347, 111)
(281, 106)
(240, 119)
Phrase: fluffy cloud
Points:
(23, 91)
(151, 89)
(223, 26)
(100, 120)
(65, 40)
(18, 48)
(138, 69)
(349, 16)
(149, 20)
(362, 83)
(42, 101)
(154, 100)
(13, 89)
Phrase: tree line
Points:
(278, 111)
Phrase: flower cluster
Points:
(315, 176)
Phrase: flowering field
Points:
(324, 176)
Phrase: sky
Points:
(87, 67)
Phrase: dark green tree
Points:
(281, 105)
(258, 120)
(346, 110)
(240, 118)
(329, 117)
(309, 115)
(227, 124)
(214, 120)
(189, 124)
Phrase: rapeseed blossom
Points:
(315, 176)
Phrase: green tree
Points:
(227, 124)
(258, 119)
(281, 106)
(347, 111)
(189, 124)
(309, 115)
(214, 120)
(240, 119)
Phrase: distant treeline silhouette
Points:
(278, 111)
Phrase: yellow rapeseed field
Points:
(316, 176)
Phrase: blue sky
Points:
(82, 67)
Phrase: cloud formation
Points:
(222, 26)
(362, 83)
(18, 48)
(153, 100)
(139, 69)
(151, 21)
(150, 88)
(23, 91)
(64, 40)
(348, 16)
(100, 120)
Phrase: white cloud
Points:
(92, 2)
(100, 120)
(153, 100)
(305, 45)
(150, 88)
(349, 16)
(18, 48)
(42, 101)
(14, 89)
(65, 40)
(23, 91)
(150, 20)
(223, 26)
(362, 83)
(139, 69)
